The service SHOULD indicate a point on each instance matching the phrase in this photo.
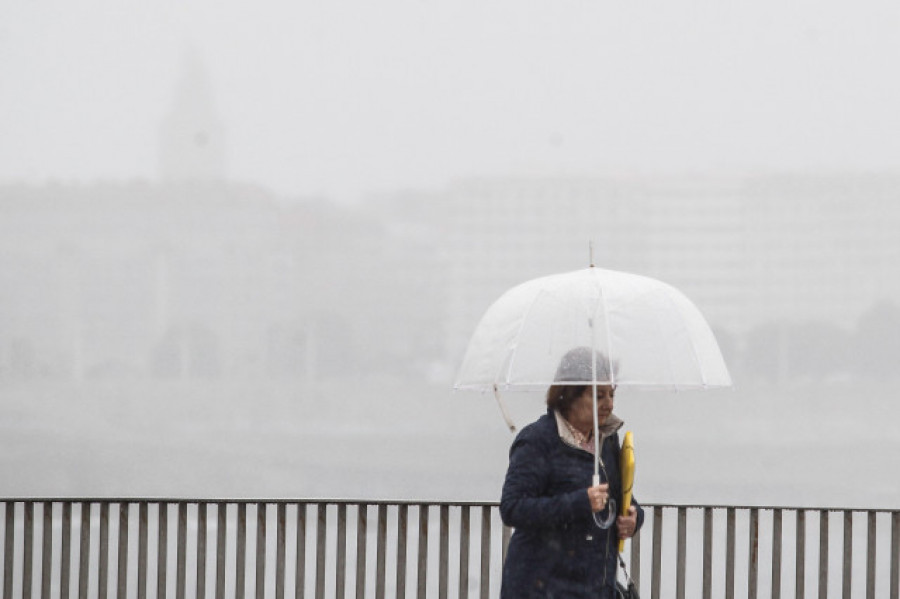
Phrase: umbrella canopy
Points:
(648, 332)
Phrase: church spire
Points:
(191, 140)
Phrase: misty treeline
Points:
(817, 351)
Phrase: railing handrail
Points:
(415, 502)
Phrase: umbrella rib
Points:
(515, 344)
(609, 353)
(693, 351)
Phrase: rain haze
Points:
(243, 246)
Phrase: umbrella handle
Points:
(610, 519)
(506, 417)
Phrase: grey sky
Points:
(346, 97)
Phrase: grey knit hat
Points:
(575, 366)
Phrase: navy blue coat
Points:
(557, 551)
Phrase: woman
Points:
(559, 549)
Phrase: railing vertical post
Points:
(656, 568)
(260, 550)
(340, 570)
(66, 550)
(28, 550)
(753, 555)
(321, 532)
(729, 553)
(895, 555)
(300, 571)
(162, 550)
(707, 552)
(680, 559)
(847, 574)
(104, 551)
(402, 536)
(9, 508)
(636, 559)
(46, 549)
(443, 558)
(800, 552)
(464, 524)
(776, 554)
(823, 554)
(142, 552)
(240, 552)
(380, 574)
(201, 550)
(84, 551)
(122, 577)
(422, 573)
(280, 548)
(485, 552)
(181, 555)
(507, 537)
(221, 538)
(362, 524)
(870, 556)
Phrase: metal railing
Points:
(195, 548)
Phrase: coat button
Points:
(589, 538)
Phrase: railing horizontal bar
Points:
(418, 502)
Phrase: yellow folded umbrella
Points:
(626, 468)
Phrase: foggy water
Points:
(817, 446)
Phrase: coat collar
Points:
(612, 424)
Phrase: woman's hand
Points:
(627, 524)
(599, 495)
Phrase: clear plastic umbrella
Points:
(649, 334)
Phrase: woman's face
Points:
(581, 413)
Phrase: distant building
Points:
(746, 249)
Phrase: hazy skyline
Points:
(343, 99)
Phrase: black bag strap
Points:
(625, 570)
